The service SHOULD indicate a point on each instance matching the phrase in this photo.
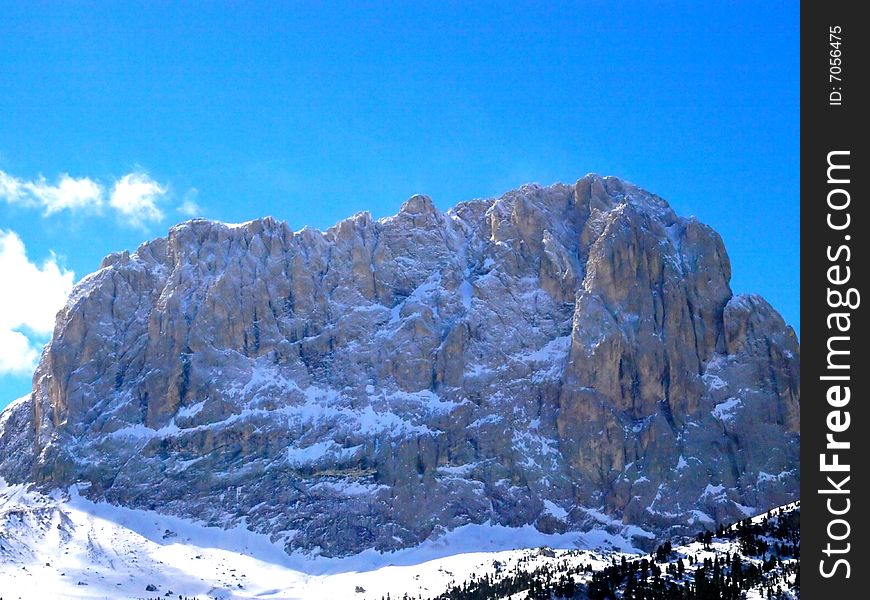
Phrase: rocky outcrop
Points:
(568, 357)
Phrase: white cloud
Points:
(29, 303)
(17, 355)
(70, 193)
(10, 188)
(135, 198)
(189, 206)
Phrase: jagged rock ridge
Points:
(563, 356)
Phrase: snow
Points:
(714, 382)
(62, 545)
(747, 511)
(7, 412)
(725, 410)
(701, 517)
(319, 451)
(241, 225)
(627, 531)
(65, 546)
(762, 476)
(718, 493)
(350, 488)
(714, 490)
(190, 411)
(551, 351)
(674, 233)
(548, 359)
(744, 301)
(16, 402)
(421, 294)
(722, 547)
(555, 510)
(396, 413)
(711, 379)
(785, 507)
(476, 370)
(142, 433)
(466, 292)
(458, 471)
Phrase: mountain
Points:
(52, 547)
(563, 357)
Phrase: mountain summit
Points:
(566, 357)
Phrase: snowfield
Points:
(64, 546)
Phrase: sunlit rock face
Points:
(566, 357)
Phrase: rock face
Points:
(567, 357)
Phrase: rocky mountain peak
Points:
(418, 204)
(564, 356)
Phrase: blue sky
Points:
(119, 120)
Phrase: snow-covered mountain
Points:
(561, 358)
(64, 546)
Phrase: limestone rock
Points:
(377, 383)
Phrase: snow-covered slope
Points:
(753, 559)
(64, 546)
